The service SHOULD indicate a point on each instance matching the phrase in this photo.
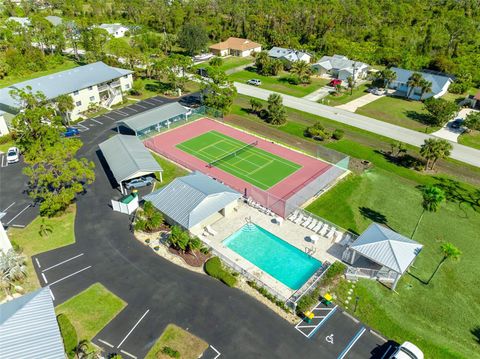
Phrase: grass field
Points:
(170, 171)
(91, 310)
(280, 83)
(419, 313)
(228, 63)
(256, 166)
(344, 97)
(188, 345)
(471, 139)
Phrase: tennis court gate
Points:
(311, 188)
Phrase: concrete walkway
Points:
(451, 134)
(462, 153)
(319, 94)
(353, 105)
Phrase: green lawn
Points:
(188, 345)
(344, 97)
(9, 80)
(232, 62)
(150, 88)
(170, 171)
(5, 146)
(419, 313)
(471, 139)
(251, 164)
(279, 83)
(91, 310)
(397, 111)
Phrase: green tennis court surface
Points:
(250, 163)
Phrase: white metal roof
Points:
(191, 199)
(29, 329)
(386, 247)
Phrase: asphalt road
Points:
(462, 153)
(159, 292)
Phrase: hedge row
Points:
(214, 268)
(69, 334)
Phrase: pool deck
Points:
(292, 233)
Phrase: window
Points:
(92, 98)
(78, 103)
(75, 92)
(90, 88)
(127, 86)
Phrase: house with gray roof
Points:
(341, 67)
(96, 83)
(128, 158)
(116, 30)
(380, 253)
(29, 328)
(23, 21)
(440, 84)
(289, 55)
(54, 20)
(194, 201)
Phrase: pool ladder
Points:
(310, 251)
(250, 226)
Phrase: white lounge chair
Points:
(293, 215)
(318, 226)
(307, 222)
(210, 230)
(300, 218)
(312, 224)
(330, 233)
(324, 230)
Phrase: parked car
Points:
(457, 123)
(13, 155)
(407, 351)
(139, 182)
(335, 82)
(254, 82)
(71, 132)
(375, 91)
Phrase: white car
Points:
(13, 155)
(254, 82)
(407, 351)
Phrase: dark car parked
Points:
(457, 123)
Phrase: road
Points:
(462, 153)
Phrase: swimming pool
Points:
(273, 255)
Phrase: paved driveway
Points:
(159, 292)
(353, 105)
(451, 134)
(462, 153)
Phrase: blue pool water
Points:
(273, 255)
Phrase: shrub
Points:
(334, 271)
(317, 132)
(294, 80)
(214, 268)
(172, 353)
(459, 87)
(268, 295)
(149, 219)
(338, 134)
(69, 334)
(5, 138)
(308, 301)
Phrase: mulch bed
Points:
(195, 261)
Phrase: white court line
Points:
(105, 342)
(8, 207)
(44, 278)
(65, 261)
(70, 275)
(128, 354)
(101, 123)
(38, 263)
(218, 353)
(19, 213)
(131, 330)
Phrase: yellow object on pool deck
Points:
(328, 297)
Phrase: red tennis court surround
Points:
(165, 144)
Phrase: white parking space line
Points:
(101, 123)
(8, 207)
(157, 100)
(151, 102)
(386, 352)
(81, 127)
(19, 213)
(130, 109)
(111, 118)
(70, 275)
(137, 104)
(4, 161)
(128, 354)
(51, 294)
(352, 343)
(63, 262)
(131, 330)
(105, 342)
(44, 278)
(38, 263)
(218, 353)
(321, 313)
(121, 113)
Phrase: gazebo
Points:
(381, 253)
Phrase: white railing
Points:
(380, 274)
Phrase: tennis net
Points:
(232, 154)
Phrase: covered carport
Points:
(128, 158)
(153, 121)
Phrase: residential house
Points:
(95, 83)
(236, 47)
(29, 328)
(116, 30)
(289, 56)
(440, 84)
(340, 67)
(23, 21)
(54, 20)
(194, 201)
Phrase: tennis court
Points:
(243, 160)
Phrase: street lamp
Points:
(357, 298)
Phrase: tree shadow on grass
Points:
(403, 160)
(417, 278)
(373, 215)
(458, 193)
(419, 117)
(476, 333)
(158, 87)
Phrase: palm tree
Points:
(387, 76)
(12, 268)
(449, 251)
(351, 84)
(434, 149)
(302, 70)
(45, 229)
(262, 61)
(65, 105)
(425, 87)
(432, 198)
(414, 80)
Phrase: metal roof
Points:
(339, 62)
(127, 156)
(154, 116)
(54, 20)
(387, 247)
(29, 329)
(191, 199)
(438, 81)
(288, 54)
(64, 82)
